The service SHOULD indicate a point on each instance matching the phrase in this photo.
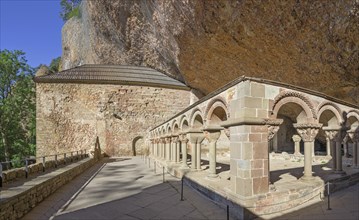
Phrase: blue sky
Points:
(33, 26)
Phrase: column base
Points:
(355, 167)
(307, 178)
(212, 176)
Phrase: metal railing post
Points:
(227, 212)
(26, 168)
(328, 189)
(64, 158)
(154, 166)
(72, 157)
(43, 164)
(0, 175)
(55, 160)
(182, 189)
(77, 155)
(163, 173)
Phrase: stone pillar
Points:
(354, 136)
(345, 144)
(178, 145)
(184, 142)
(328, 146)
(168, 148)
(296, 138)
(308, 132)
(338, 151)
(313, 148)
(175, 147)
(212, 135)
(198, 150)
(333, 134)
(193, 137)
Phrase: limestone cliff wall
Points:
(314, 44)
(70, 116)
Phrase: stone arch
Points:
(168, 129)
(287, 97)
(163, 129)
(353, 119)
(184, 125)
(175, 127)
(196, 120)
(216, 113)
(217, 101)
(329, 114)
(134, 141)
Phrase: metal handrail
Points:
(26, 160)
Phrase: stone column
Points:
(345, 144)
(296, 138)
(198, 150)
(333, 135)
(328, 146)
(178, 146)
(184, 142)
(212, 135)
(168, 148)
(355, 139)
(338, 151)
(308, 132)
(175, 147)
(193, 137)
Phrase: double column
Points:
(296, 138)
(212, 134)
(335, 136)
(184, 140)
(175, 148)
(354, 136)
(195, 138)
(308, 132)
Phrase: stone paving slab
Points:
(127, 189)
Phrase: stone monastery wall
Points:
(71, 116)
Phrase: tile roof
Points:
(113, 74)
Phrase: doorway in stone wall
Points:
(138, 145)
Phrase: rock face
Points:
(313, 44)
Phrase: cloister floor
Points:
(285, 173)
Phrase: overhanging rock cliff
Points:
(313, 44)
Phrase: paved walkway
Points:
(125, 188)
(344, 205)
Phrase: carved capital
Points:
(183, 138)
(307, 132)
(296, 138)
(272, 130)
(345, 139)
(227, 132)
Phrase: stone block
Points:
(262, 113)
(260, 185)
(256, 173)
(243, 187)
(257, 164)
(257, 90)
(260, 150)
(236, 149)
(256, 137)
(259, 129)
(243, 89)
(252, 102)
(247, 151)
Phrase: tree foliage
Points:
(70, 8)
(55, 65)
(17, 106)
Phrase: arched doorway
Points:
(137, 145)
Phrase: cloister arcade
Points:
(247, 119)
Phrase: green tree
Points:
(55, 65)
(70, 8)
(17, 106)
